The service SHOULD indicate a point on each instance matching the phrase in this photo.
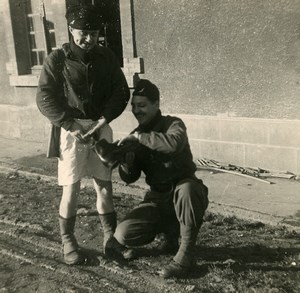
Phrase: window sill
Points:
(30, 80)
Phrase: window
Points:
(41, 32)
(27, 44)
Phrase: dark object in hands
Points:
(111, 154)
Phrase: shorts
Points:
(78, 160)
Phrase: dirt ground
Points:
(232, 255)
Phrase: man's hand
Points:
(95, 126)
(77, 132)
(129, 138)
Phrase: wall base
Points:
(266, 143)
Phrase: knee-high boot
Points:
(185, 254)
(109, 224)
(169, 242)
(184, 258)
(111, 247)
(69, 242)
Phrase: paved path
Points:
(276, 204)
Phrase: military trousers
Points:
(162, 212)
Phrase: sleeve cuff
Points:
(67, 124)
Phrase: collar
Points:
(72, 51)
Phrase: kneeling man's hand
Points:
(133, 137)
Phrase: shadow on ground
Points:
(39, 164)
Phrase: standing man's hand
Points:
(95, 126)
(76, 131)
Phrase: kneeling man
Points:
(177, 199)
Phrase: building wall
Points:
(240, 58)
(229, 69)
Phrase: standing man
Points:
(81, 90)
(177, 199)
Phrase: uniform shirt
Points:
(164, 154)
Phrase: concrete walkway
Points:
(247, 198)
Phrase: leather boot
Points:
(169, 240)
(118, 251)
(109, 224)
(111, 247)
(183, 261)
(170, 229)
(69, 242)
